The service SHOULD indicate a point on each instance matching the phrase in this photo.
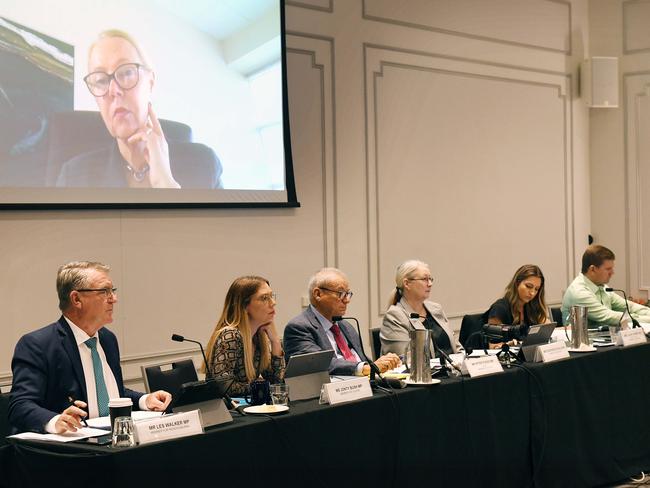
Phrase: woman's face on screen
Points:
(123, 111)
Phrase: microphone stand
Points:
(208, 377)
(635, 322)
(374, 369)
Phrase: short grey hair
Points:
(322, 277)
(73, 276)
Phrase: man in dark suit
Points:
(313, 330)
(74, 363)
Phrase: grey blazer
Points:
(394, 332)
(304, 333)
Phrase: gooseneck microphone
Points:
(374, 369)
(180, 338)
(208, 377)
(635, 323)
(443, 354)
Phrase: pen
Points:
(71, 399)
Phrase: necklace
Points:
(138, 175)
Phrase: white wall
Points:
(619, 142)
(448, 131)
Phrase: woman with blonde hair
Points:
(413, 286)
(245, 343)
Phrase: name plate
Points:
(346, 390)
(169, 427)
(629, 337)
(547, 353)
(483, 365)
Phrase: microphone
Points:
(374, 370)
(180, 338)
(208, 379)
(505, 332)
(441, 353)
(635, 323)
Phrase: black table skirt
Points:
(577, 422)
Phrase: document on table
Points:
(105, 422)
(82, 433)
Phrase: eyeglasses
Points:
(125, 75)
(341, 294)
(428, 279)
(108, 292)
(267, 298)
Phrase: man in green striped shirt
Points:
(588, 290)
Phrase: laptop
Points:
(306, 373)
(537, 335)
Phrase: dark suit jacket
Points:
(193, 165)
(47, 370)
(304, 334)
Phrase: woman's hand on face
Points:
(272, 334)
(156, 152)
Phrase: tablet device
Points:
(308, 363)
(537, 335)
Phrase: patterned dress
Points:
(228, 359)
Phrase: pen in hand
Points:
(72, 401)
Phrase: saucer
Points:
(266, 409)
(582, 349)
(415, 383)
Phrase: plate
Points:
(266, 409)
(603, 344)
(415, 383)
(582, 349)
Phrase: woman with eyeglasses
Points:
(523, 302)
(411, 295)
(245, 343)
(121, 79)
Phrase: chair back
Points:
(471, 323)
(169, 376)
(376, 342)
(4, 417)
(556, 312)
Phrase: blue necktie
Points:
(100, 385)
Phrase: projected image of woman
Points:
(245, 343)
(121, 79)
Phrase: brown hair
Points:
(536, 308)
(234, 314)
(595, 255)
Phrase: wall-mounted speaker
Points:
(599, 82)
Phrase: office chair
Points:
(376, 342)
(471, 323)
(169, 376)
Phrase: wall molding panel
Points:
(413, 69)
(537, 24)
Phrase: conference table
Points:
(582, 421)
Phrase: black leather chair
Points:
(73, 133)
(376, 342)
(169, 376)
(556, 312)
(4, 418)
(471, 324)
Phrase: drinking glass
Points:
(123, 432)
(280, 394)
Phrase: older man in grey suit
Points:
(313, 330)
